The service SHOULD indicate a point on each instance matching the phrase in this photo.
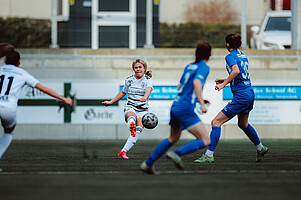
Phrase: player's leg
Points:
(130, 117)
(131, 141)
(164, 145)
(8, 121)
(216, 123)
(202, 140)
(160, 150)
(6, 139)
(243, 123)
(131, 122)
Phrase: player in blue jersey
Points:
(242, 102)
(182, 115)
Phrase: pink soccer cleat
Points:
(122, 154)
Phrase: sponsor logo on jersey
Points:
(4, 98)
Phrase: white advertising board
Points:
(274, 104)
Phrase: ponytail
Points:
(149, 73)
(6, 49)
(12, 57)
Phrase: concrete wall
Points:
(167, 65)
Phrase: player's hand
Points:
(204, 108)
(107, 103)
(142, 99)
(68, 101)
(220, 86)
(219, 80)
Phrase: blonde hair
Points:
(148, 73)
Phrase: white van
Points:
(274, 33)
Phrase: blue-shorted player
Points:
(182, 115)
(242, 102)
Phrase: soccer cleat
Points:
(147, 169)
(261, 153)
(122, 154)
(133, 129)
(176, 159)
(205, 159)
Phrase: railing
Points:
(43, 57)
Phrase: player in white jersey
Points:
(138, 87)
(12, 80)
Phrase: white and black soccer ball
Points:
(150, 120)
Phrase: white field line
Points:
(161, 172)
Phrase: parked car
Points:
(274, 33)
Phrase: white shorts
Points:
(138, 114)
(8, 117)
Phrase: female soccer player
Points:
(138, 87)
(242, 102)
(12, 80)
(182, 115)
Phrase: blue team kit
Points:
(181, 113)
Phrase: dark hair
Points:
(12, 58)
(6, 49)
(149, 73)
(203, 51)
(234, 40)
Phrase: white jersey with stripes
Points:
(12, 81)
(135, 88)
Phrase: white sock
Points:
(131, 141)
(5, 142)
(209, 153)
(130, 119)
(259, 146)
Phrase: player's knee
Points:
(10, 130)
(215, 122)
(173, 139)
(206, 141)
(242, 125)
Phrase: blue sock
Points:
(190, 147)
(252, 134)
(159, 151)
(214, 137)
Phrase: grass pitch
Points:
(60, 170)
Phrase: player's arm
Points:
(197, 85)
(52, 93)
(119, 96)
(221, 83)
(147, 93)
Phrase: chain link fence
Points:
(76, 31)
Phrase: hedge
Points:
(34, 33)
(188, 34)
(25, 32)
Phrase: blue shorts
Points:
(242, 102)
(183, 117)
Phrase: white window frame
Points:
(103, 19)
(65, 11)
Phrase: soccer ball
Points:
(150, 120)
